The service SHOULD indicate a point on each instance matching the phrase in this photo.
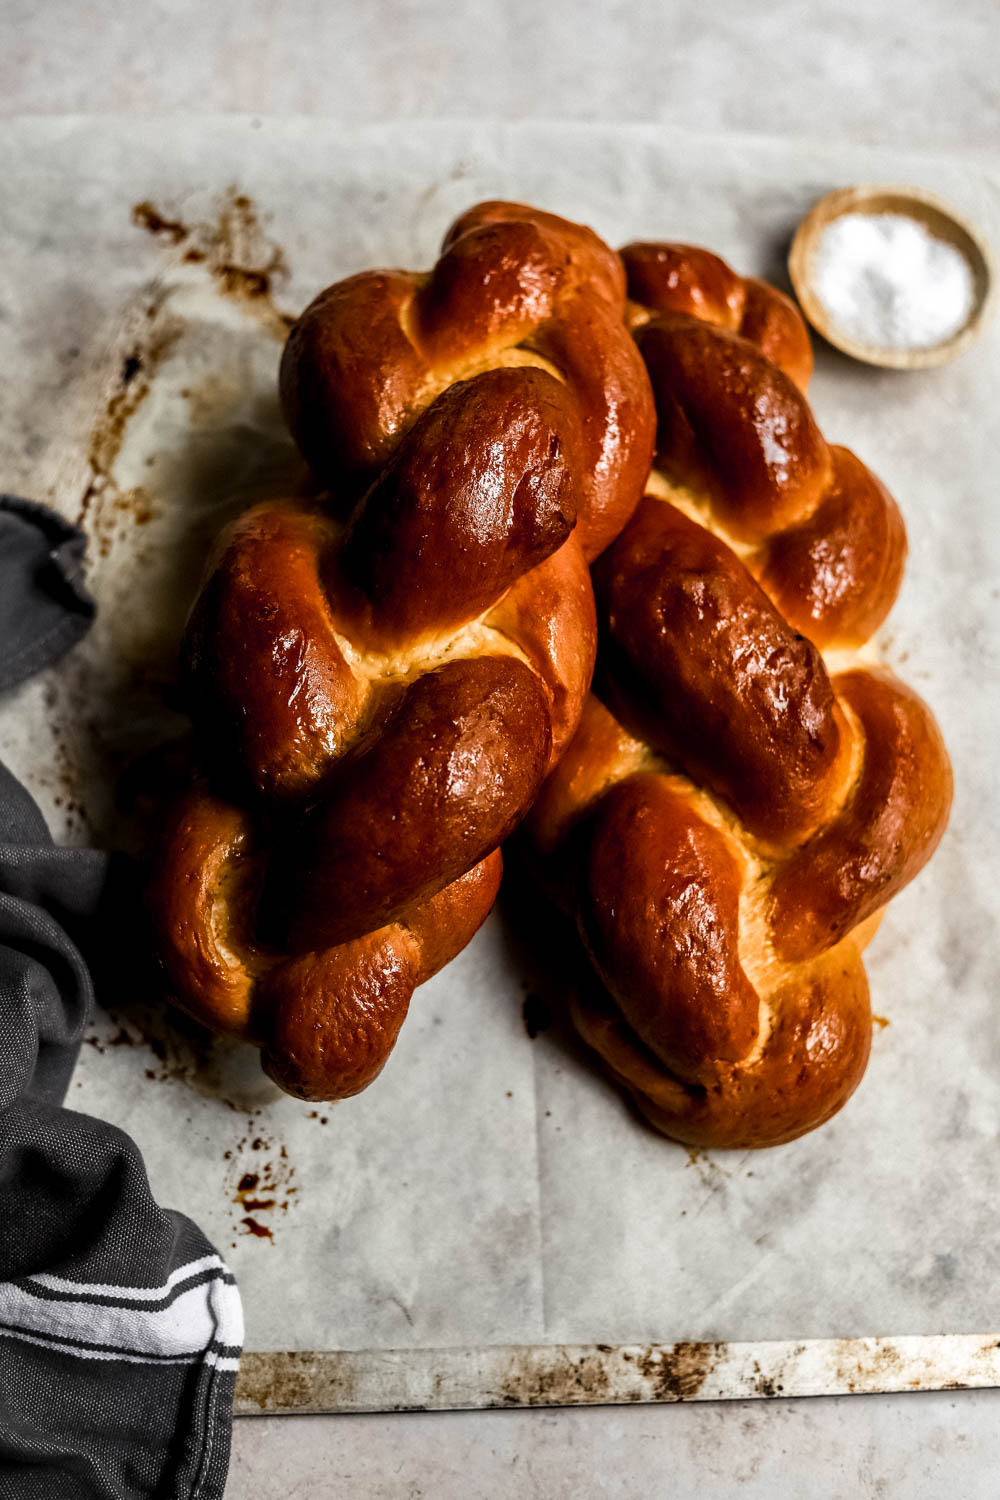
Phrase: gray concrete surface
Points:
(915, 75)
(924, 1447)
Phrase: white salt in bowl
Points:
(938, 219)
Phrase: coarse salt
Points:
(886, 281)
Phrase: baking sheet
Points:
(492, 1188)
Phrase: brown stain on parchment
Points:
(146, 217)
(104, 504)
(710, 1171)
(260, 1176)
(182, 1050)
(245, 262)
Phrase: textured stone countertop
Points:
(922, 76)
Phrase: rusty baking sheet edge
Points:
(274, 1384)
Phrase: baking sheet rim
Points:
(554, 1375)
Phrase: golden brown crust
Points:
(336, 1014)
(821, 534)
(600, 753)
(659, 898)
(205, 851)
(729, 823)
(480, 490)
(449, 778)
(701, 664)
(836, 575)
(616, 430)
(811, 1063)
(882, 835)
(351, 340)
(549, 616)
(733, 426)
(268, 684)
(666, 278)
(327, 1019)
(333, 1017)
(512, 286)
(381, 675)
(735, 1007)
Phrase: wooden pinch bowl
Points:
(941, 220)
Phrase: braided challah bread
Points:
(381, 673)
(735, 811)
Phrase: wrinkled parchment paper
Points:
(491, 1187)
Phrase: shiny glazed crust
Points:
(381, 673)
(735, 809)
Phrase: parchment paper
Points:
(491, 1187)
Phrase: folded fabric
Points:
(120, 1327)
(44, 604)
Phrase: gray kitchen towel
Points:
(44, 604)
(120, 1326)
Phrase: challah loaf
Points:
(381, 674)
(735, 811)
